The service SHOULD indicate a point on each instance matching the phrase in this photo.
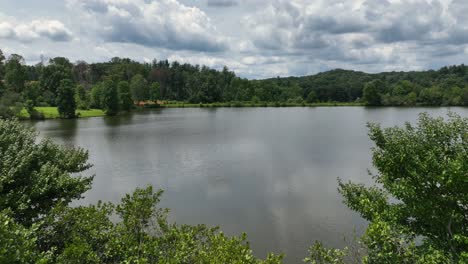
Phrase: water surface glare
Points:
(269, 172)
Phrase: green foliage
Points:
(161, 80)
(311, 97)
(76, 233)
(318, 254)
(81, 98)
(32, 91)
(295, 101)
(29, 105)
(2, 73)
(372, 93)
(66, 104)
(155, 92)
(432, 96)
(126, 102)
(18, 243)
(10, 105)
(424, 168)
(368, 201)
(37, 176)
(15, 73)
(139, 88)
(390, 243)
(293, 91)
(52, 75)
(32, 112)
(2, 65)
(97, 95)
(49, 98)
(110, 97)
(140, 235)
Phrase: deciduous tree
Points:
(37, 175)
(126, 102)
(66, 104)
(423, 172)
(15, 73)
(372, 93)
(139, 88)
(111, 101)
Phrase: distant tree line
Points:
(118, 84)
(447, 86)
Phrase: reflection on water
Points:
(270, 172)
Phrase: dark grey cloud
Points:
(333, 25)
(311, 41)
(442, 51)
(368, 32)
(168, 37)
(221, 3)
(384, 21)
(163, 23)
(407, 21)
(95, 6)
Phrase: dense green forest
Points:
(417, 213)
(116, 85)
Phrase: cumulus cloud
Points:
(417, 20)
(26, 32)
(360, 31)
(273, 37)
(162, 23)
(305, 24)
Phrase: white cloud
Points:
(163, 23)
(360, 32)
(37, 29)
(256, 38)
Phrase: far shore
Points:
(50, 112)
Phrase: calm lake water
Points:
(269, 172)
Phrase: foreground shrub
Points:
(418, 213)
(36, 176)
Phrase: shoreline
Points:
(52, 112)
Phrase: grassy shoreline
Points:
(51, 112)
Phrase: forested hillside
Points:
(446, 86)
(116, 85)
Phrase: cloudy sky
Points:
(255, 38)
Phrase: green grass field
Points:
(52, 112)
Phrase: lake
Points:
(269, 172)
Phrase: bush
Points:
(35, 176)
(423, 169)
